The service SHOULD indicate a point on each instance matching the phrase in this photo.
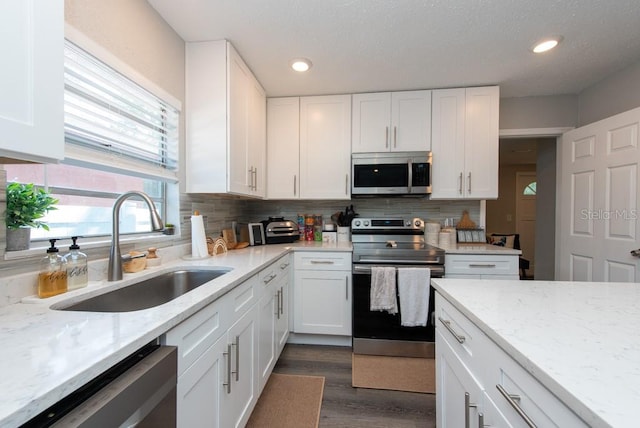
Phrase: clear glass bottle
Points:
(77, 270)
(52, 279)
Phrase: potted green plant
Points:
(26, 204)
(169, 229)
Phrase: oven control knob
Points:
(407, 223)
(366, 223)
(418, 223)
(357, 223)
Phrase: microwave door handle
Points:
(410, 174)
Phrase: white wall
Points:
(556, 111)
(615, 94)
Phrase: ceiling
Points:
(380, 45)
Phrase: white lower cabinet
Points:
(481, 266)
(322, 293)
(218, 360)
(479, 385)
(274, 316)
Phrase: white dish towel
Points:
(413, 289)
(383, 289)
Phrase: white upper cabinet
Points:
(325, 149)
(226, 122)
(391, 121)
(283, 148)
(465, 143)
(32, 80)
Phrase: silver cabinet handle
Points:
(295, 184)
(512, 400)
(467, 407)
(482, 265)
(270, 278)
(410, 175)
(395, 136)
(321, 262)
(469, 183)
(283, 266)
(251, 178)
(481, 420)
(228, 382)
(281, 301)
(237, 345)
(447, 324)
(255, 184)
(346, 184)
(346, 288)
(278, 304)
(386, 137)
(461, 180)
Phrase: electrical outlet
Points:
(509, 218)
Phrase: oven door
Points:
(380, 333)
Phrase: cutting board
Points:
(230, 237)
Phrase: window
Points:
(119, 137)
(530, 189)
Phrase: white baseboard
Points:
(319, 339)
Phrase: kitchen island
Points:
(46, 354)
(579, 341)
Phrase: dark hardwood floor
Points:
(345, 406)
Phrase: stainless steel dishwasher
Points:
(140, 391)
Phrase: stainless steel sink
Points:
(147, 293)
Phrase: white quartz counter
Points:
(46, 354)
(581, 340)
(479, 248)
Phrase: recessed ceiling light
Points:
(300, 64)
(546, 44)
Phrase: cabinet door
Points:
(32, 81)
(481, 143)
(238, 101)
(283, 148)
(448, 125)
(370, 123)
(325, 154)
(201, 389)
(410, 121)
(282, 318)
(322, 302)
(459, 396)
(244, 377)
(257, 139)
(267, 336)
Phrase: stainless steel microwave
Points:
(391, 174)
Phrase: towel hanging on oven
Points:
(413, 289)
(383, 289)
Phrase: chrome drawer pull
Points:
(511, 399)
(269, 279)
(467, 406)
(322, 262)
(482, 265)
(447, 324)
(228, 382)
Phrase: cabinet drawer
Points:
(533, 399)
(320, 260)
(461, 334)
(275, 272)
(241, 298)
(198, 332)
(480, 264)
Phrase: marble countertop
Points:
(579, 339)
(46, 354)
(479, 248)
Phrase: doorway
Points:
(531, 216)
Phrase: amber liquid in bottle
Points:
(52, 283)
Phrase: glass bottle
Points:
(52, 278)
(77, 269)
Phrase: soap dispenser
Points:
(77, 270)
(52, 279)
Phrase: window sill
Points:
(40, 248)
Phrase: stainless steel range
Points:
(394, 242)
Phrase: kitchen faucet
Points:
(115, 258)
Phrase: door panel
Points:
(599, 201)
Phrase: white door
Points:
(239, 175)
(598, 224)
(370, 122)
(410, 121)
(283, 148)
(526, 215)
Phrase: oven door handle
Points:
(400, 262)
(436, 271)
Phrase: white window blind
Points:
(112, 123)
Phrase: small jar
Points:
(309, 222)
